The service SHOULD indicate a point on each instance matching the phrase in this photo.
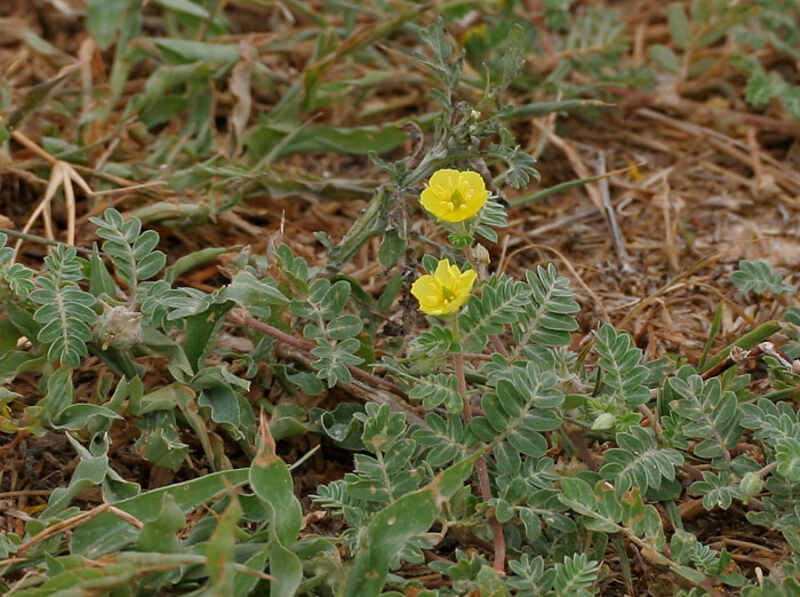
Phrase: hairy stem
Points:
(483, 473)
(242, 317)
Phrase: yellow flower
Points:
(454, 196)
(476, 31)
(444, 291)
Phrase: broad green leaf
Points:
(679, 25)
(185, 6)
(530, 443)
(288, 420)
(160, 442)
(243, 584)
(701, 11)
(342, 427)
(345, 326)
(108, 533)
(307, 382)
(159, 532)
(219, 549)
(787, 454)
(392, 248)
(690, 574)
(90, 472)
(22, 320)
(332, 303)
(65, 584)
(223, 402)
(246, 291)
(158, 105)
(76, 416)
(179, 51)
(664, 57)
(391, 528)
(681, 546)
(105, 17)
(193, 260)
(100, 281)
(59, 394)
(390, 292)
(287, 570)
(201, 330)
(14, 361)
(272, 482)
(263, 139)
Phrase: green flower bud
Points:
(604, 422)
(751, 485)
(118, 327)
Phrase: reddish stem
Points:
(483, 473)
(246, 319)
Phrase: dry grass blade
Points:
(62, 175)
(608, 210)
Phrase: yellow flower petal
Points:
(454, 196)
(446, 178)
(445, 291)
(428, 293)
(445, 275)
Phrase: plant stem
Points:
(245, 318)
(768, 469)
(40, 239)
(749, 341)
(480, 464)
(651, 416)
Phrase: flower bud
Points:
(118, 327)
(604, 422)
(751, 485)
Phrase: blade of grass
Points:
(716, 324)
(563, 186)
(746, 342)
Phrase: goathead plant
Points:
(489, 464)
